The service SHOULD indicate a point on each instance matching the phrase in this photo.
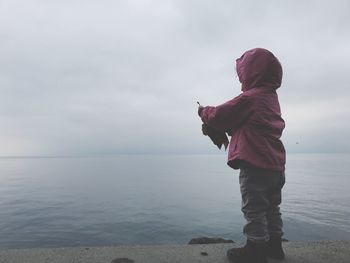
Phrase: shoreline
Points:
(298, 252)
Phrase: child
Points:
(253, 119)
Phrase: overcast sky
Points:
(80, 77)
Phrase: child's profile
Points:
(254, 122)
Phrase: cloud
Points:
(87, 77)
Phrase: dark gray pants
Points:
(261, 197)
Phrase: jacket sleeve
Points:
(228, 116)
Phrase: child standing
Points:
(253, 120)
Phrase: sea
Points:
(159, 199)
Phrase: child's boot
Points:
(274, 248)
(250, 253)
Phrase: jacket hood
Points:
(258, 67)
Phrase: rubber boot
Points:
(250, 253)
(274, 248)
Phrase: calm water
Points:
(53, 202)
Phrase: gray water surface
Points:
(154, 199)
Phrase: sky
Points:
(83, 77)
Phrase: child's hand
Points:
(205, 129)
(200, 108)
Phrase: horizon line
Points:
(137, 153)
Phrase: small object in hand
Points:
(218, 138)
(205, 129)
(200, 108)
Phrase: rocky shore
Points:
(296, 252)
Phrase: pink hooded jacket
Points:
(253, 118)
